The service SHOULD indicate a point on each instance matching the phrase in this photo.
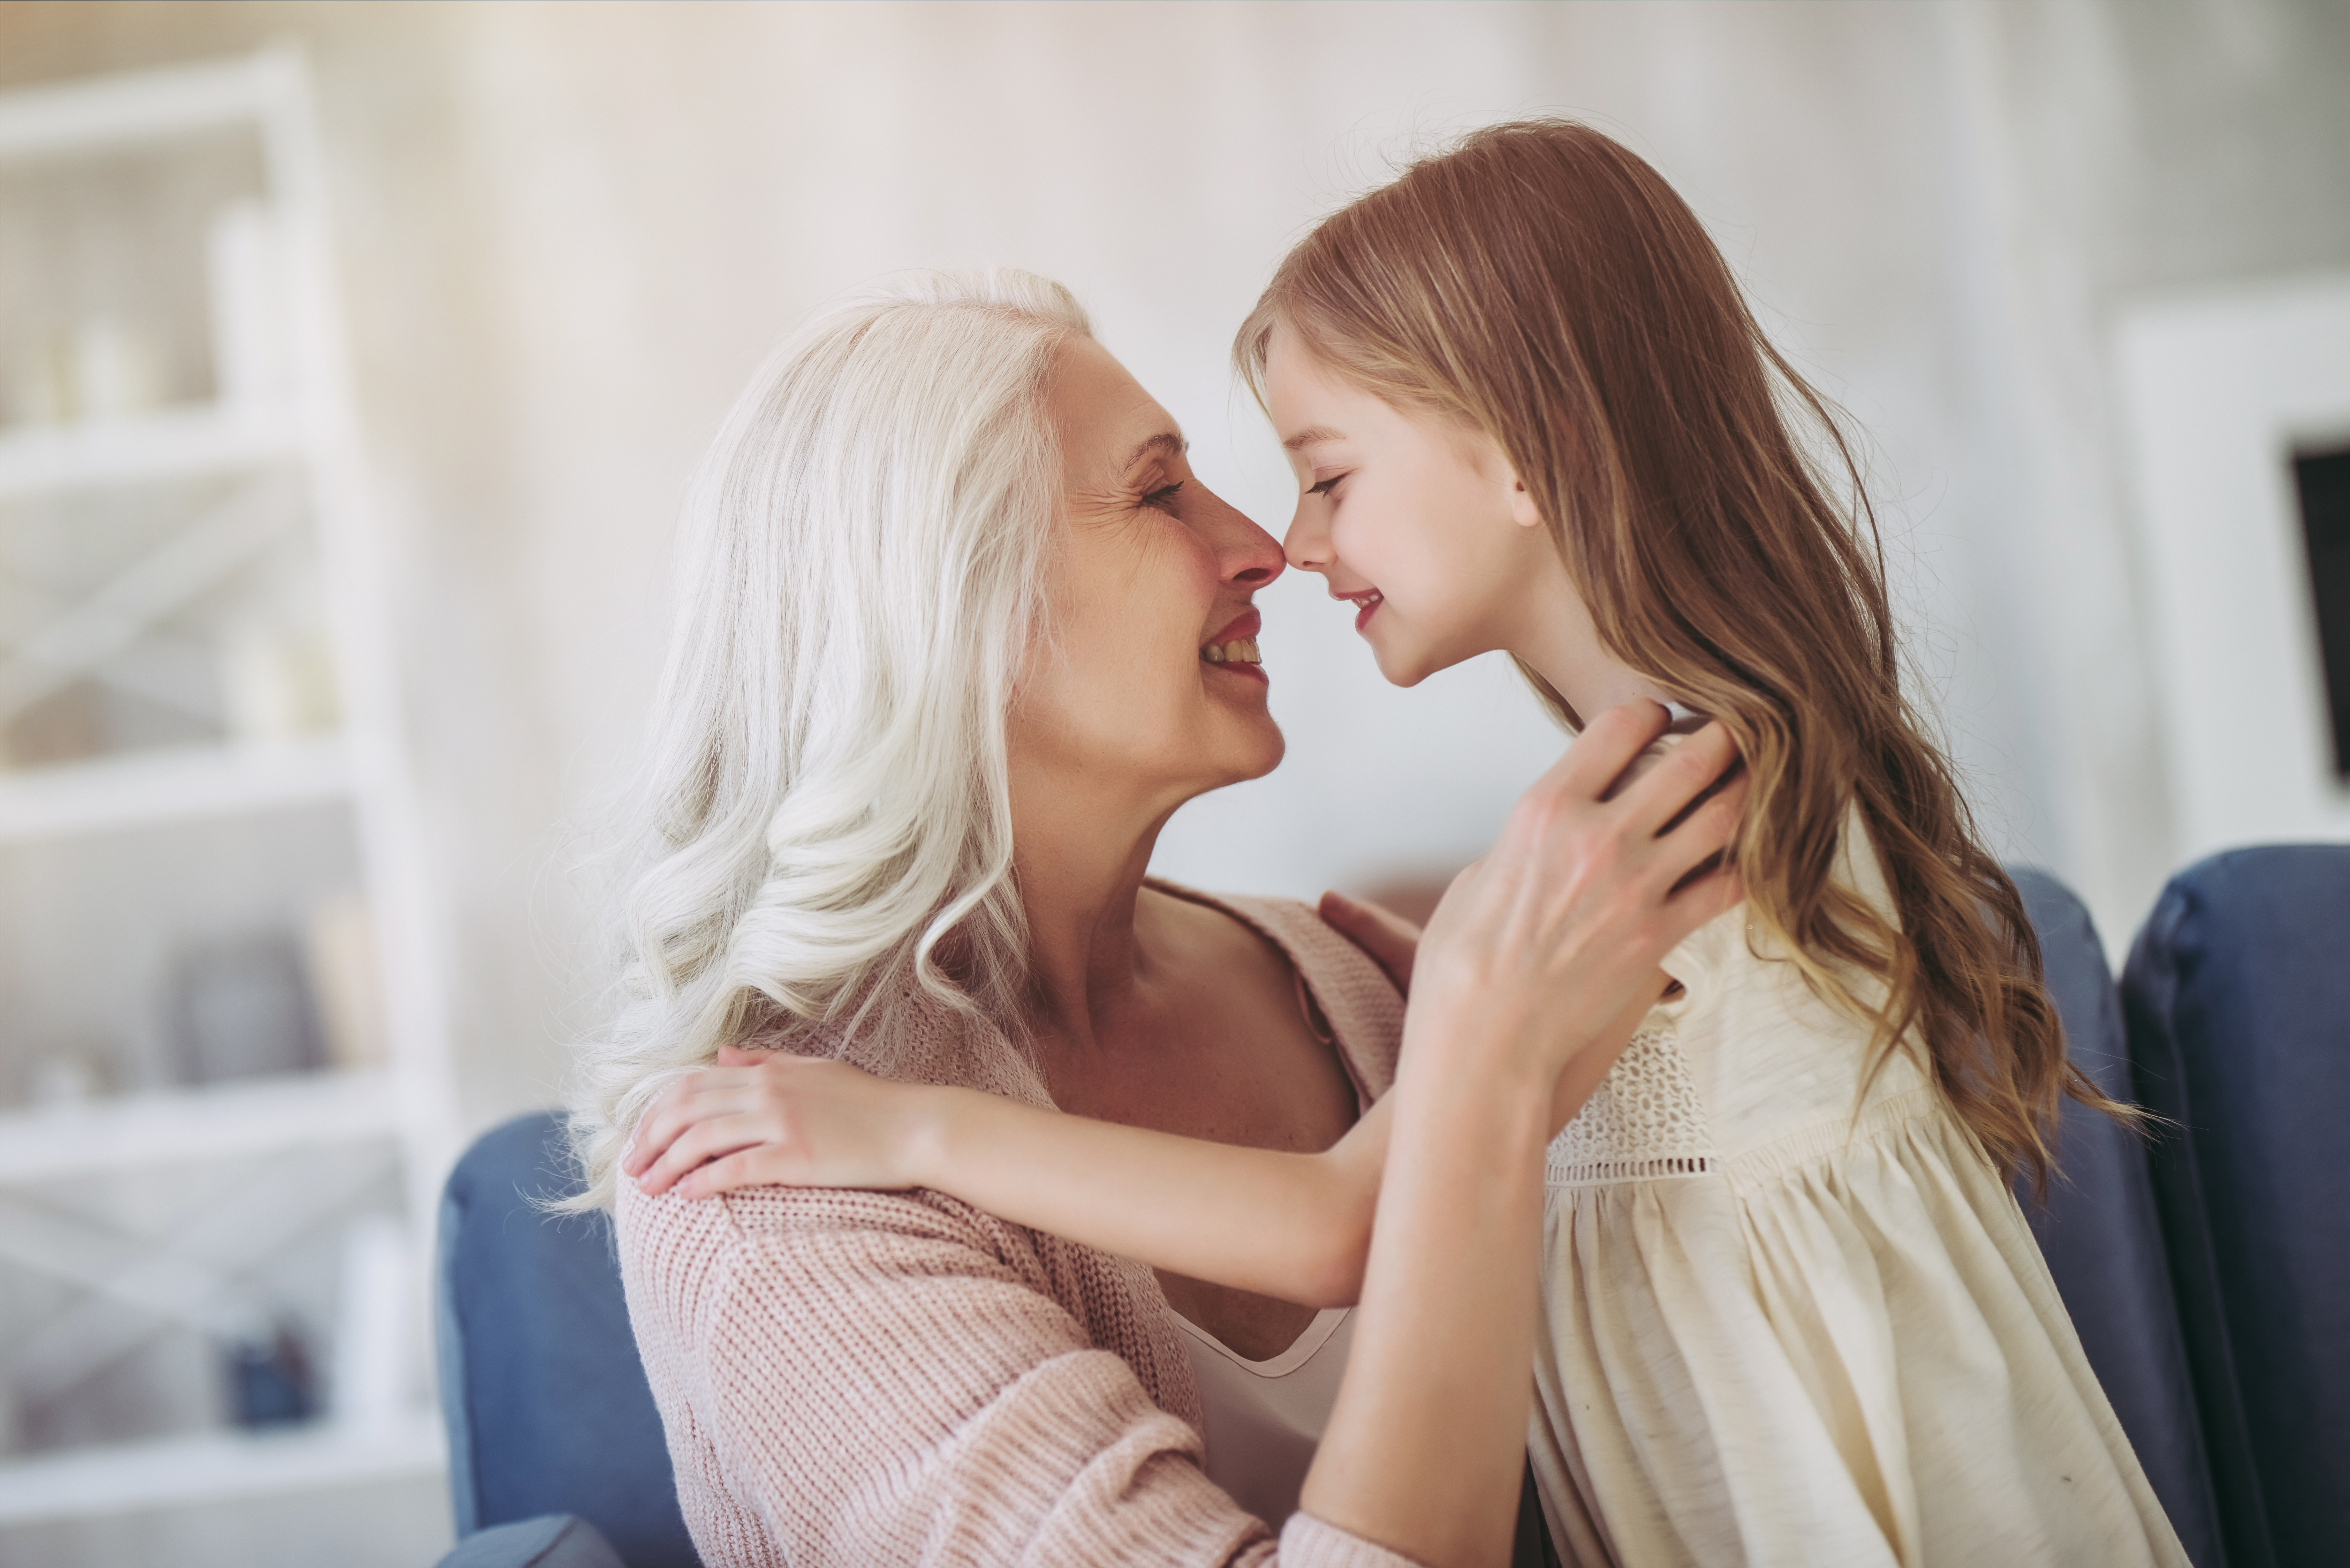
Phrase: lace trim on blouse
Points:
(1645, 1122)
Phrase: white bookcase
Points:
(225, 1095)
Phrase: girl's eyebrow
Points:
(1310, 435)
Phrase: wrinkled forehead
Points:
(1107, 424)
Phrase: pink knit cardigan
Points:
(861, 1378)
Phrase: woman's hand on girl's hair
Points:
(1392, 941)
(768, 1118)
(1554, 932)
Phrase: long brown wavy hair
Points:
(1541, 283)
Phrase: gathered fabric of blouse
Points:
(1788, 1322)
(854, 1378)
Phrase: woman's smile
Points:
(1234, 650)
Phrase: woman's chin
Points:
(1253, 753)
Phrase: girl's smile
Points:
(1421, 526)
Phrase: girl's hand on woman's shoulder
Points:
(1391, 942)
(764, 1118)
(1558, 930)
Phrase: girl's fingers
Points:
(704, 1142)
(746, 1167)
(1391, 941)
(697, 1096)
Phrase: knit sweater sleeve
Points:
(857, 1377)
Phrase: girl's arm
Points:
(1293, 1226)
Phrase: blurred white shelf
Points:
(170, 444)
(142, 789)
(216, 1467)
(265, 1116)
(75, 116)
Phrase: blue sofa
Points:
(2238, 999)
(2206, 1268)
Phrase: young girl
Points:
(1792, 1313)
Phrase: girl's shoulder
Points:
(1768, 1054)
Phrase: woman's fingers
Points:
(1392, 941)
(1606, 746)
(1666, 790)
(1710, 829)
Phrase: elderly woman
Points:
(959, 632)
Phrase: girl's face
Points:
(1423, 526)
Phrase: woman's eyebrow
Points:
(1309, 436)
(1166, 441)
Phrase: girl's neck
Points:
(1558, 642)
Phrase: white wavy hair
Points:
(862, 565)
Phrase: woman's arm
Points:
(1566, 918)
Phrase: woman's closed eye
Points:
(1163, 498)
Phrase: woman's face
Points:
(1419, 524)
(1149, 685)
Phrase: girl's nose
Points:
(1307, 545)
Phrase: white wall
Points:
(567, 233)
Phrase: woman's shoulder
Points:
(1354, 995)
(691, 1254)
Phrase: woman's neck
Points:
(1080, 870)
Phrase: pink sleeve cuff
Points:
(1308, 1542)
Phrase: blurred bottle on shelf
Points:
(373, 1386)
(277, 679)
(241, 1008)
(106, 367)
(253, 358)
(272, 1380)
(339, 940)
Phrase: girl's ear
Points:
(1523, 511)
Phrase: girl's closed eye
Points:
(1327, 487)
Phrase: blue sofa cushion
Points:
(2238, 998)
(550, 1540)
(2102, 1238)
(547, 1406)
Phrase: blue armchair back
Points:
(2100, 1233)
(546, 1403)
(2237, 997)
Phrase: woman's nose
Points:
(1246, 555)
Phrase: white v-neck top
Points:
(1263, 1418)
(1787, 1323)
